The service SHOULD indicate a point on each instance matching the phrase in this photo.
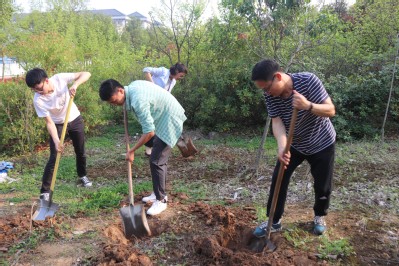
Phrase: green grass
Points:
(261, 214)
(340, 247)
(106, 194)
(298, 238)
(32, 241)
(251, 144)
(197, 190)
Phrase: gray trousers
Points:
(159, 166)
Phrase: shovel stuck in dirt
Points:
(134, 220)
(187, 149)
(48, 208)
(259, 244)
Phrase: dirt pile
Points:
(121, 251)
(230, 243)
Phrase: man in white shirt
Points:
(51, 99)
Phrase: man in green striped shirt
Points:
(160, 115)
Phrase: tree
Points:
(6, 11)
(176, 27)
(284, 30)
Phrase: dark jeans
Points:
(75, 130)
(150, 143)
(159, 166)
(321, 167)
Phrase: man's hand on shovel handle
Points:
(59, 147)
(284, 158)
(130, 156)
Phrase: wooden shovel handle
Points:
(57, 160)
(129, 164)
(281, 173)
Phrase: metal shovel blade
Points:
(46, 209)
(134, 221)
(260, 244)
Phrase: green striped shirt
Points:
(156, 110)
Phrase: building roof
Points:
(108, 12)
(137, 15)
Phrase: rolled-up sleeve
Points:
(155, 71)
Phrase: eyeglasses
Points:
(36, 89)
(267, 89)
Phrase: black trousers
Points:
(159, 166)
(321, 167)
(75, 130)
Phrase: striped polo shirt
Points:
(312, 133)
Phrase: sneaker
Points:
(157, 207)
(148, 151)
(151, 198)
(45, 196)
(85, 181)
(260, 231)
(320, 225)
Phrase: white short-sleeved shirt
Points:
(160, 76)
(55, 104)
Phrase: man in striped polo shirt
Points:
(313, 140)
(160, 115)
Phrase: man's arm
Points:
(80, 78)
(148, 77)
(281, 137)
(325, 109)
(142, 140)
(52, 130)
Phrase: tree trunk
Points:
(390, 94)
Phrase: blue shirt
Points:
(156, 110)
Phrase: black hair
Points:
(108, 88)
(35, 76)
(264, 70)
(178, 68)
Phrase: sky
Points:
(144, 6)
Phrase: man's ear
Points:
(278, 76)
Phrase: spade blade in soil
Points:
(46, 209)
(134, 221)
(261, 244)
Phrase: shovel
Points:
(259, 244)
(134, 221)
(187, 149)
(48, 208)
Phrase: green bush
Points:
(360, 104)
(21, 128)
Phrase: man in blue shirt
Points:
(161, 116)
(313, 140)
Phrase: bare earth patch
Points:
(217, 229)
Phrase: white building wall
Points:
(11, 69)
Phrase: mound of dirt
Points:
(121, 251)
(114, 254)
(231, 243)
(13, 228)
(115, 235)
